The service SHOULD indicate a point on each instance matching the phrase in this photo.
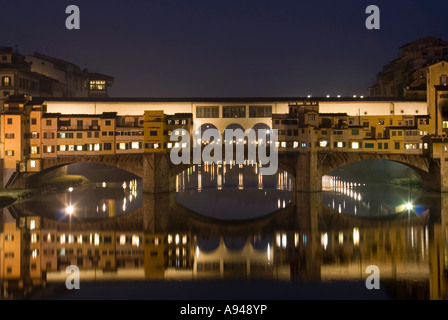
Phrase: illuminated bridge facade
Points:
(315, 135)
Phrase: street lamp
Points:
(69, 210)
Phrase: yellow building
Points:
(155, 258)
(155, 133)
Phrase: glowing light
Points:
(409, 206)
(70, 210)
(324, 240)
(355, 236)
(70, 189)
(284, 240)
(269, 252)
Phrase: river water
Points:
(232, 227)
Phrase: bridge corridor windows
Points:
(234, 111)
(260, 111)
(207, 112)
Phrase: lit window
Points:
(34, 238)
(96, 147)
(63, 239)
(6, 81)
(283, 144)
(184, 239)
(135, 145)
(34, 150)
(296, 144)
(122, 146)
(355, 145)
(170, 145)
(34, 253)
(71, 147)
(170, 239)
(33, 163)
(32, 224)
(135, 240)
(78, 148)
(176, 239)
(96, 239)
(184, 145)
(123, 239)
(303, 145)
(323, 143)
(49, 149)
(62, 148)
(340, 144)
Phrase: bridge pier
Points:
(437, 177)
(308, 172)
(156, 175)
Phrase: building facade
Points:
(40, 75)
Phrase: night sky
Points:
(215, 48)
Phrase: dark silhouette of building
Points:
(405, 76)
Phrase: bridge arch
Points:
(261, 126)
(208, 244)
(234, 242)
(337, 160)
(206, 126)
(128, 162)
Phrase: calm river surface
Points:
(231, 232)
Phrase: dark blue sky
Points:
(212, 48)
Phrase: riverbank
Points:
(413, 182)
(56, 185)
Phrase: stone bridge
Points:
(158, 173)
(156, 170)
(308, 168)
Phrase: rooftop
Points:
(231, 99)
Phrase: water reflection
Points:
(374, 200)
(233, 192)
(93, 201)
(306, 241)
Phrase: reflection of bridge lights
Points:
(269, 253)
(324, 240)
(341, 238)
(355, 236)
